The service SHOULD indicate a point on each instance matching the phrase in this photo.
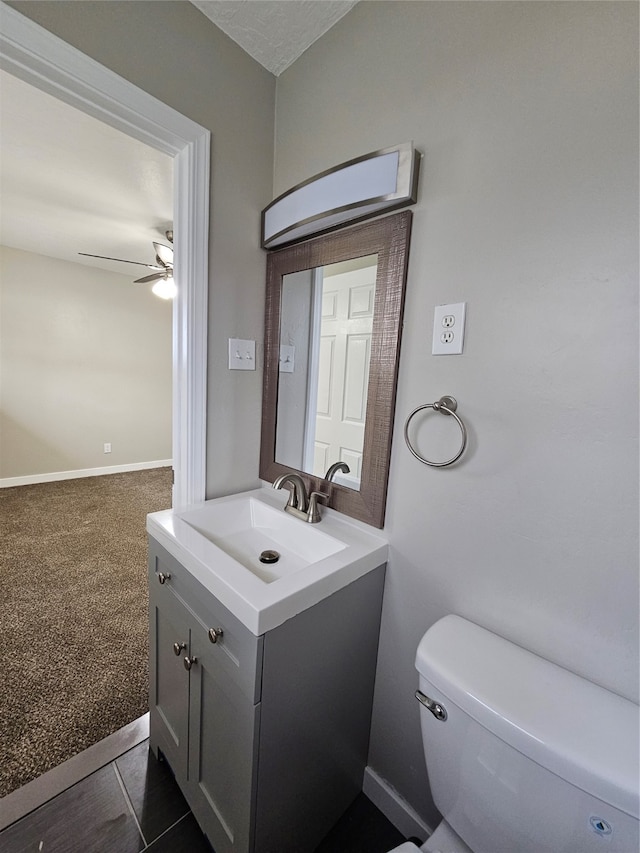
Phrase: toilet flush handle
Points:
(438, 711)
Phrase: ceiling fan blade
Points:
(164, 254)
(156, 276)
(121, 260)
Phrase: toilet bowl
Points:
(522, 755)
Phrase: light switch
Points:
(287, 359)
(242, 354)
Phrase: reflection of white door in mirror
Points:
(327, 318)
(341, 343)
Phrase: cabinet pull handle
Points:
(164, 577)
(215, 634)
(178, 647)
(188, 662)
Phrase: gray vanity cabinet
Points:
(204, 695)
(267, 736)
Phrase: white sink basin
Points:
(246, 529)
(220, 543)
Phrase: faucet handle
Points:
(313, 513)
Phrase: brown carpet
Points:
(73, 615)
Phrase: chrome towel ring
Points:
(446, 406)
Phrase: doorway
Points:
(32, 54)
(36, 57)
(85, 351)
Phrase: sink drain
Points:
(269, 557)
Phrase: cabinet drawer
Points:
(238, 652)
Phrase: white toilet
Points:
(522, 755)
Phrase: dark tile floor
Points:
(133, 804)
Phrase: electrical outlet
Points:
(107, 447)
(448, 329)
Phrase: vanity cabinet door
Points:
(169, 679)
(223, 737)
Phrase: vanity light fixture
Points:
(359, 189)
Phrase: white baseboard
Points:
(30, 479)
(393, 806)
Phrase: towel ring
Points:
(446, 406)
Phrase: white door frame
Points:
(42, 59)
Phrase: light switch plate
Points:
(242, 354)
(448, 329)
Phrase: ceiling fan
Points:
(164, 285)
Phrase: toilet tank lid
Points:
(581, 732)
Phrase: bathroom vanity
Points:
(261, 676)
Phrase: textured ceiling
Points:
(70, 183)
(274, 32)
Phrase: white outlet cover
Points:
(242, 354)
(448, 329)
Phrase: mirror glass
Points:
(333, 319)
(326, 324)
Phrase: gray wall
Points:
(175, 53)
(527, 114)
(85, 358)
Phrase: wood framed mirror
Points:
(333, 323)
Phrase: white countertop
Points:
(259, 605)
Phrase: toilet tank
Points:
(531, 758)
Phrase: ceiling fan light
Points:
(165, 288)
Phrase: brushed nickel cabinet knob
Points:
(215, 634)
(189, 662)
(163, 577)
(178, 647)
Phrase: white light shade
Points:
(165, 288)
(377, 182)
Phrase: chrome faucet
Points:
(298, 504)
(333, 470)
